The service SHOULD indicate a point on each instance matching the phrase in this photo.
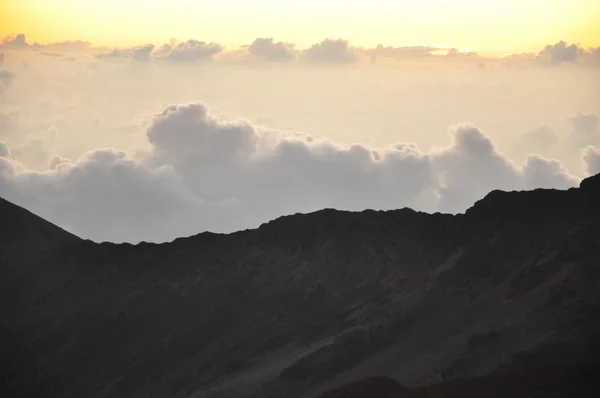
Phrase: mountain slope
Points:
(306, 302)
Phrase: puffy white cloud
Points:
(202, 172)
(540, 172)
(106, 194)
(331, 51)
(269, 50)
(591, 159)
(471, 167)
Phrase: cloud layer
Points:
(328, 51)
(203, 172)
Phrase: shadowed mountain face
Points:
(308, 303)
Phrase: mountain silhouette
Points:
(499, 301)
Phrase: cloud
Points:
(69, 46)
(331, 51)
(591, 159)
(470, 168)
(138, 53)
(202, 172)
(536, 141)
(270, 50)
(32, 152)
(411, 52)
(104, 194)
(15, 41)
(1, 58)
(455, 52)
(5, 151)
(561, 52)
(188, 51)
(585, 130)
(540, 172)
(8, 121)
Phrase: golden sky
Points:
(485, 26)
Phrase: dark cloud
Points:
(591, 159)
(270, 50)
(1, 58)
(206, 173)
(331, 51)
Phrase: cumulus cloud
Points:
(539, 172)
(202, 172)
(104, 195)
(561, 52)
(591, 159)
(15, 41)
(470, 168)
(331, 51)
(267, 49)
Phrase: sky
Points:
(486, 26)
(127, 120)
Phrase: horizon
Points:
(235, 23)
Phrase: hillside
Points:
(307, 303)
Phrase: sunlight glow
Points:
(522, 25)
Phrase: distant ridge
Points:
(308, 303)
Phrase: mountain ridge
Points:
(302, 303)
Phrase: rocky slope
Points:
(305, 303)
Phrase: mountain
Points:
(394, 302)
